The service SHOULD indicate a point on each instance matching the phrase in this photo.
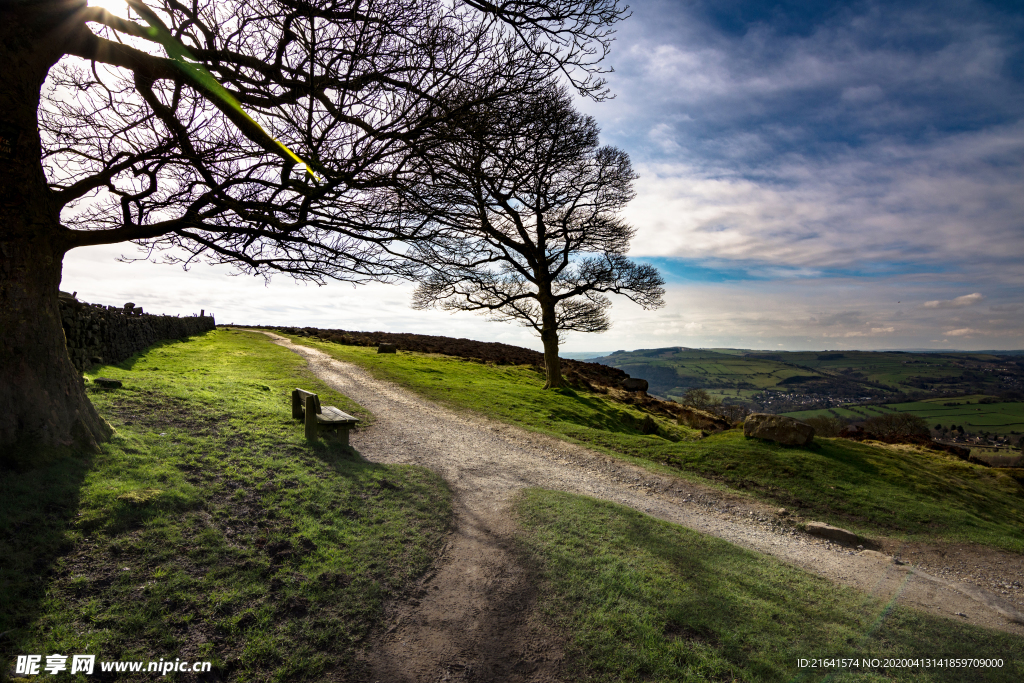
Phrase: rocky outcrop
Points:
(858, 433)
(699, 419)
(784, 430)
(634, 384)
(111, 334)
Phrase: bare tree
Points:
(700, 399)
(184, 128)
(826, 425)
(896, 425)
(530, 203)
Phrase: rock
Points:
(875, 554)
(634, 384)
(387, 348)
(832, 533)
(782, 512)
(108, 383)
(700, 419)
(784, 430)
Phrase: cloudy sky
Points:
(813, 175)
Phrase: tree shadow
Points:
(38, 509)
(130, 362)
(735, 601)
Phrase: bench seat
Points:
(327, 417)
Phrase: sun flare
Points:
(116, 7)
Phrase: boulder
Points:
(387, 348)
(832, 533)
(634, 384)
(784, 430)
(700, 419)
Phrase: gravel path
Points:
(471, 618)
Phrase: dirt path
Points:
(471, 618)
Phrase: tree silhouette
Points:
(528, 204)
(699, 398)
(897, 425)
(184, 128)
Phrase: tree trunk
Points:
(43, 406)
(549, 336)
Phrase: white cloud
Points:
(936, 207)
(959, 302)
(866, 93)
(662, 135)
(962, 332)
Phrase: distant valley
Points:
(788, 381)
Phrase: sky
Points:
(812, 175)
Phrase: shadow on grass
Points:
(130, 362)
(647, 600)
(850, 457)
(38, 508)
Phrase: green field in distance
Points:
(997, 418)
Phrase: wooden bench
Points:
(306, 406)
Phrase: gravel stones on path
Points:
(473, 617)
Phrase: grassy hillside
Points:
(1005, 418)
(738, 374)
(871, 489)
(645, 600)
(208, 529)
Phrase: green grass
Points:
(997, 418)
(208, 528)
(646, 600)
(671, 370)
(1005, 418)
(869, 489)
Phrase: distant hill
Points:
(807, 378)
(583, 355)
(987, 352)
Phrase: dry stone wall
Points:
(110, 334)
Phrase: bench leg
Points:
(339, 435)
(311, 418)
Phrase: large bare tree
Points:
(527, 208)
(249, 132)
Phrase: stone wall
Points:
(108, 334)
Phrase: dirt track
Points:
(471, 618)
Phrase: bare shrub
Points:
(897, 425)
(826, 425)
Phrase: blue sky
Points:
(812, 175)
